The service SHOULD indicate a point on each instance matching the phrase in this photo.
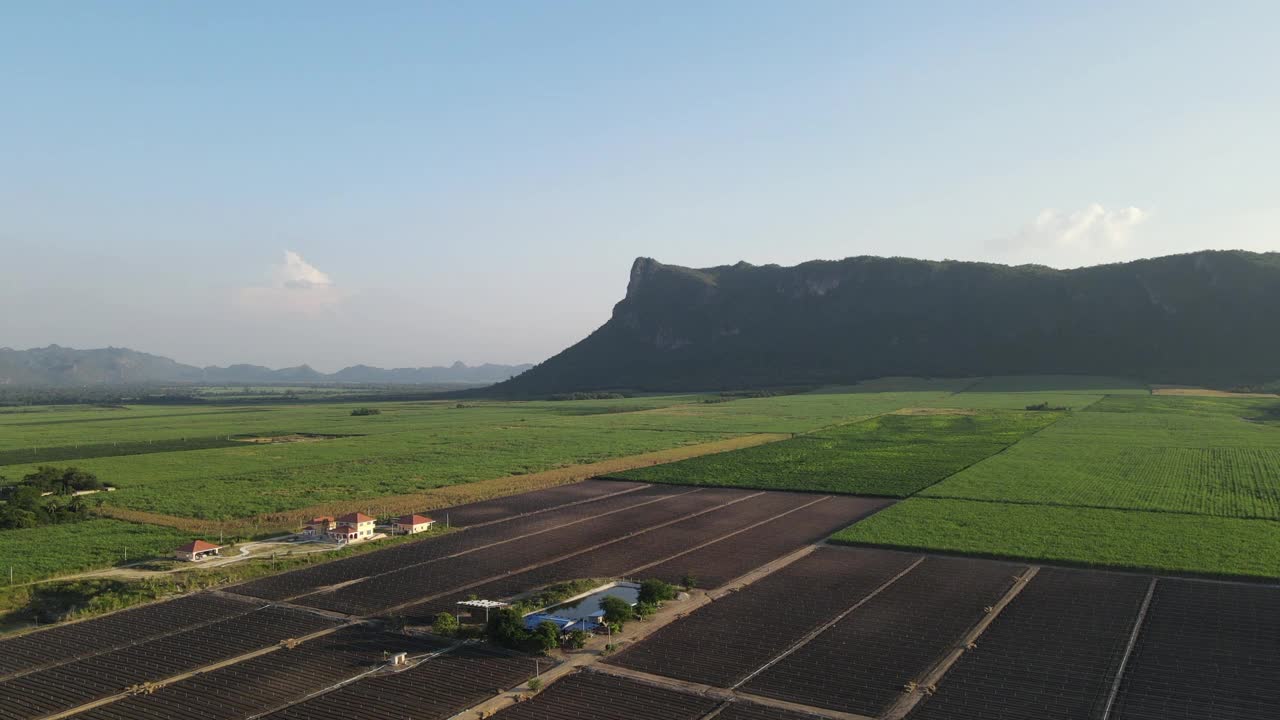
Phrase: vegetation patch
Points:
(1193, 459)
(1161, 542)
(892, 455)
(41, 552)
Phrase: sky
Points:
(414, 183)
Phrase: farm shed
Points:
(410, 524)
(196, 550)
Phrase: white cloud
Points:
(297, 286)
(299, 274)
(1090, 235)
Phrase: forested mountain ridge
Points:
(61, 366)
(1206, 317)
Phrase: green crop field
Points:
(1168, 483)
(1153, 481)
(890, 455)
(35, 553)
(1163, 542)
(1165, 454)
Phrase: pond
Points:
(589, 606)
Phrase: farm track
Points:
(1206, 650)
(394, 591)
(649, 546)
(437, 688)
(718, 563)
(59, 689)
(45, 648)
(807, 593)
(862, 662)
(606, 697)
(305, 581)
(1053, 653)
(270, 680)
(448, 495)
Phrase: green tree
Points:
(654, 592)
(578, 639)
(546, 636)
(445, 624)
(616, 610)
(506, 627)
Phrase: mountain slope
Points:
(1202, 317)
(60, 366)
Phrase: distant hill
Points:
(60, 366)
(1206, 317)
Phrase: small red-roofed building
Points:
(319, 527)
(196, 550)
(410, 524)
(358, 522)
(344, 534)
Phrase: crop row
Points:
(65, 643)
(606, 697)
(619, 559)
(722, 643)
(396, 588)
(1058, 469)
(63, 453)
(861, 664)
(434, 690)
(717, 564)
(752, 711)
(502, 508)
(892, 455)
(1208, 651)
(269, 681)
(1052, 653)
(400, 557)
(73, 684)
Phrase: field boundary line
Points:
(809, 636)
(443, 496)
(761, 572)
(256, 607)
(348, 583)
(1001, 451)
(164, 682)
(531, 513)
(575, 553)
(715, 712)
(356, 678)
(727, 696)
(934, 674)
(739, 531)
(1148, 571)
(1117, 508)
(1128, 649)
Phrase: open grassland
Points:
(1164, 454)
(40, 552)
(891, 455)
(446, 496)
(1086, 384)
(409, 448)
(1163, 542)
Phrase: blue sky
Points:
(472, 180)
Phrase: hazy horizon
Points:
(412, 184)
